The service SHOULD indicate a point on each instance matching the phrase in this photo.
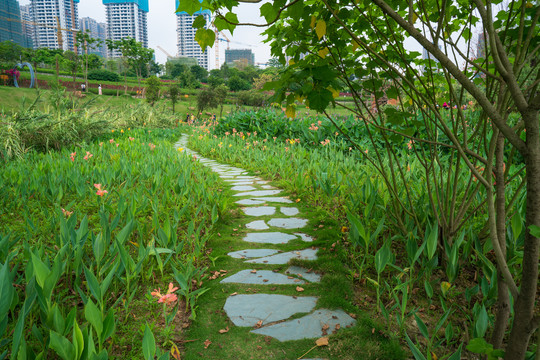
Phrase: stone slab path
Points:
(270, 314)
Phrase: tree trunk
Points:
(525, 323)
(503, 301)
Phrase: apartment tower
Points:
(187, 45)
(126, 18)
(96, 30)
(47, 15)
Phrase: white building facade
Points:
(127, 18)
(97, 31)
(45, 14)
(187, 45)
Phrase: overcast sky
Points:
(162, 29)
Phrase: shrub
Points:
(252, 98)
(103, 75)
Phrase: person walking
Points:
(99, 90)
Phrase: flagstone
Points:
(304, 237)
(257, 225)
(276, 199)
(303, 273)
(261, 277)
(309, 326)
(289, 211)
(259, 211)
(242, 188)
(288, 223)
(249, 309)
(285, 257)
(269, 237)
(252, 253)
(250, 202)
(259, 193)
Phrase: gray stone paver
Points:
(270, 310)
(303, 273)
(257, 225)
(259, 211)
(288, 223)
(269, 237)
(289, 211)
(247, 310)
(284, 258)
(261, 277)
(307, 327)
(258, 193)
(252, 253)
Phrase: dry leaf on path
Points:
(299, 289)
(207, 343)
(234, 293)
(322, 341)
(253, 271)
(223, 331)
(258, 324)
(325, 327)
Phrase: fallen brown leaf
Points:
(258, 324)
(234, 293)
(322, 341)
(299, 289)
(253, 271)
(338, 326)
(207, 343)
(223, 331)
(325, 327)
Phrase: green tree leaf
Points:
(149, 344)
(199, 22)
(205, 38)
(62, 346)
(189, 6)
(320, 28)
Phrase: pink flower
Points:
(100, 191)
(88, 155)
(131, 138)
(117, 145)
(111, 141)
(66, 213)
(72, 156)
(168, 298)
(325, 142)
(101, 144)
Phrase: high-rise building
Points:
(97, 31)
(47, 15)
(243, 57)
(28, 29)
(10, 22)
(127, 18)
(187, 45)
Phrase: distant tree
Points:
(72, 63)
(174, 92)
(206, 99)
(95, 62)
(220, 93)
(153, 87)
(215, 80)
(262, 79)
(274, 62)
(187, 80)
(134, 54)
(236, 83)
(177, 69)
(154, 68)
(199, 72)
(10, 52)
(249, 73)
(85, 42)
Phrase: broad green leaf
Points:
(517, 225)
(481, 322)
(62, 346)
(78, 340)
(382, 257)
(479, 346)
(109, 325)
(431, 240)
(93, 284)
(199, 22)
(41, 271)
(320, 28)
(422, 327)
(268, 12)
(535, 231)
(94, 317)
(149, 344)
(457, 354)
(6, 291)
(205, 38)
(319, 99)
(189, 6)
(415, 351)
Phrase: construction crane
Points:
(169, 56)
(224, 38)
